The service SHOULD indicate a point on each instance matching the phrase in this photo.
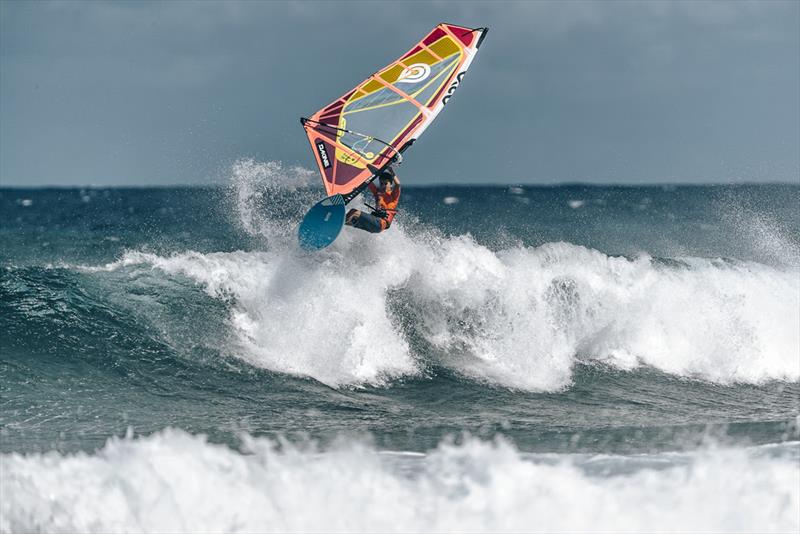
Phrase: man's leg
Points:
(366, 221)
(352, 215)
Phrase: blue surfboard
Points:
(322, 223)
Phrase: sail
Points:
(383, 115)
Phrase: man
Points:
(387, 195)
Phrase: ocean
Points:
(503, 358)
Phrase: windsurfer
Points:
(387, 196)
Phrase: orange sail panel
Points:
(384, 114)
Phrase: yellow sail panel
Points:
(385, 113)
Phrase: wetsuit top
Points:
(386, 201)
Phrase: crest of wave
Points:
(373, 308)
(303, 314)
(176, 482)
(522, 317)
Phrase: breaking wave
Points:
(375, 308)
(370, 310)
(175, 482)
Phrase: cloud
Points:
(132, 92)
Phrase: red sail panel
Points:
(378, 118)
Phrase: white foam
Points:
(295, 314)
(520, 318)
(175, 482)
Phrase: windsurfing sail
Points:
(381, 117)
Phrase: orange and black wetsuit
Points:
(387, 202)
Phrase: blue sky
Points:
(145, 93)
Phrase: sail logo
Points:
(453, 87)
(414, 73)
(323, 154)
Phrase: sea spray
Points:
(269, 198)
(519, 318)
(173, 481)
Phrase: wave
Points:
(173, 481)
(374, 309)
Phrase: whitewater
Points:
(175, 482)
(504, 358)
(518, 318)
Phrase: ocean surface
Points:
(515, 358)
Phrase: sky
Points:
(146, 93)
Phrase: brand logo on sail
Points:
(453, 87)
(414, 73)
(323, 154)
